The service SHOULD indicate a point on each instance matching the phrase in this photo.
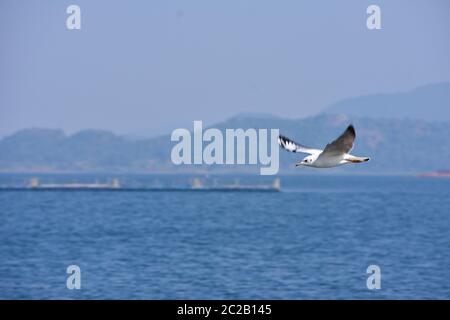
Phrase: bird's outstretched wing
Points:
(293, 146)
(343, 144)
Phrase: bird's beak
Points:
(299, 164)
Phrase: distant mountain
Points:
(395, 146)
(430, 102)
(89, 150)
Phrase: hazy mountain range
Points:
(430, 102)
(402, 133)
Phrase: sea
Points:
(318, 238)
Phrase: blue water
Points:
(315, 239)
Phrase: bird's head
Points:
(307, 161)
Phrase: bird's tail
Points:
(357, 159)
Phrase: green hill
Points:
(395, 146)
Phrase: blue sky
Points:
(145, 67)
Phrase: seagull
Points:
(335, 153)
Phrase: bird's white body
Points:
(335, 153)
(330, 162)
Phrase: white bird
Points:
(335, 153)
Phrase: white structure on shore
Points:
(35, 184)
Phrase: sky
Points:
(148, 67)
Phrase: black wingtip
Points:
(282, 139)
(351, 129)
